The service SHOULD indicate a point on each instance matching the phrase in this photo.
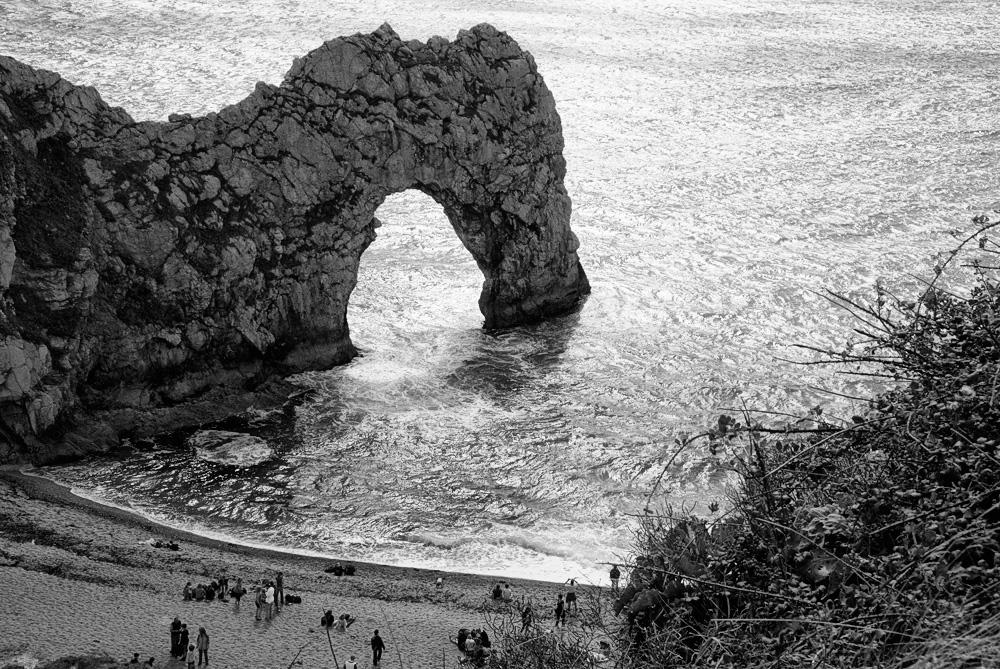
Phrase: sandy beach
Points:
(80, 578)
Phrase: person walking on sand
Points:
(377, 647)
(202, 645)
(191, 655)
(560, 611)
(279, 591)
(175, 638)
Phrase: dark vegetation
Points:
(866, 542)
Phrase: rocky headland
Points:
(154, 275)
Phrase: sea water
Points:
(729, 162)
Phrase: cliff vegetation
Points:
(870, 541)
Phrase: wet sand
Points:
(83, 580)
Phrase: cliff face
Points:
(152, 274)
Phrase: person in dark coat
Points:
(185, 636)
(175, 637)
(560, 611)
(377, 647)
(279, 591)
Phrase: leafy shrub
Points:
(867, 542)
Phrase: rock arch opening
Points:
(415, 276)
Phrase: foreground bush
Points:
(870, 542)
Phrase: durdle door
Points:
(154, 274)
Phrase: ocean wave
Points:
(536, 545)
(230, 448)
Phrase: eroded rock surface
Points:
(151, 273)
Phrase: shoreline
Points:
(86, 581)
(47, 489)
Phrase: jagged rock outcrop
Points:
(150, 273)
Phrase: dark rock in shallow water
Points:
(155, 275)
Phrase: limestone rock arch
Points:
(145, 266)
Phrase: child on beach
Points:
(560, 612)
(191, 655)
(351, 663)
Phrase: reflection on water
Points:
(728, 161)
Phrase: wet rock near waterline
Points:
(153, 275)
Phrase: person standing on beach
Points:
(279, 591)
(526, 617)
(351, 663)
(571, 596)
(269, 601)
(185, 635)
(175, 638)
(259, 600)
(615, 575)
(560, 611)
(237, 592)
(377, 647)
(191, 655)
(202, 644)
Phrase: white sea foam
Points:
(726, 160)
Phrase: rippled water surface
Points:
(727, 161)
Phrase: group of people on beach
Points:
(502, 593)
(269, 596)
(181, 647)
(208, 592)
(475, 645)
(340, 623)
(340, 570)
